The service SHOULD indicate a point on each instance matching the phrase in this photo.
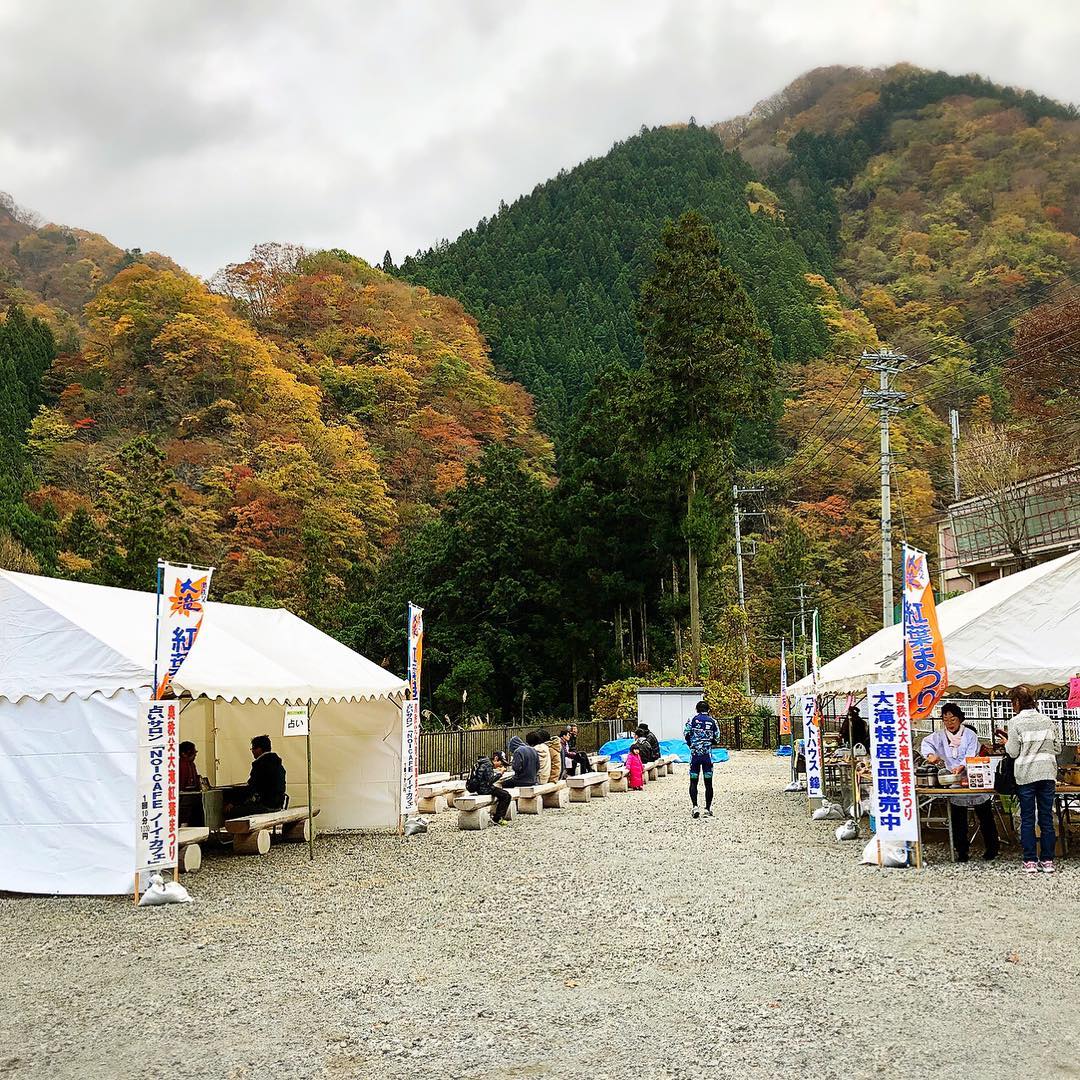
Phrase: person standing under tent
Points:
(702, 733)
(951, 745)
(1034, 742)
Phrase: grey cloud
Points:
(202, 128)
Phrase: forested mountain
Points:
(339, 440)
(553, 278)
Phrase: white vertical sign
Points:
(410, 732)
(812, 744)
(157, 784)
(892, 760)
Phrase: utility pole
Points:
(954, 427)
(887, 401)
(802, 628)
(736, 491)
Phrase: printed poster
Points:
(892, 762)
(157, 785)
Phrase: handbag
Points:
(1005, 777)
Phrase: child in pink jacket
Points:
(635, 769)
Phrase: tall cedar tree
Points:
(708, 364)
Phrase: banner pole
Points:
(136, 888)
(157, 625)
(310, 800)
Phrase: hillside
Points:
(285, 433)
(552, 279)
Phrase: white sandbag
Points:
(828, 812)
(892, 855)
(161, 893)
(415, 826)
(794, 786)
(848, 831)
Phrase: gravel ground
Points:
(600, 941)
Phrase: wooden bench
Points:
(553, 795)
(588, 786)
(669, 763)
(618, 778)
(431, 778)
(599, 762)
(438, 795)
(474, 811)
(188, 839)
(653, 769)
(251, 835)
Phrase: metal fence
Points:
(455, 751)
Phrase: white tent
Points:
(1021, 629)
(75, 659)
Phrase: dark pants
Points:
(579, 760)
(985, 813)
(502, 799)
(249, 808)
(701, 763)
(1037, 798)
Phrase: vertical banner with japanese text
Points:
(925, 668)
(892, 762)
(812, 744)
(182, 596)
(410, 714)
(785, 702)
(157, 784)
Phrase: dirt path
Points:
(612, 940)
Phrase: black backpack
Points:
(481, 777)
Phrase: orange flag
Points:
(925, 669)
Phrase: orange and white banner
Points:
(182, 593)
(925, 668)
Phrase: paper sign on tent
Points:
(296, 720)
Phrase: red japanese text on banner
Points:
(157, 784)
(924, 649)
(182, 604)
(892, 762)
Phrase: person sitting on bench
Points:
(525, 762)
(484, 780)
(265, 790)
(189, 772)
(648, 744)
(573, 759)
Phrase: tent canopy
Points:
(64, 638)
(1021, 629)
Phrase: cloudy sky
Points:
(200, 128)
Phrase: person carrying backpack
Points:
(481, 781)
(702, 733)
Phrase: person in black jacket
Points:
(265, 791)
(648, 744)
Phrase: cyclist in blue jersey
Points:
(701, 733)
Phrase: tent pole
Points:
(136, 888)
(310, 815)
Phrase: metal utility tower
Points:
(736, 491)
(887, 401)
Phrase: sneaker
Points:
(1047, 866)
(1031, 867)
(695, 812)
(708, 813)
(499, 821)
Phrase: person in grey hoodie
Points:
(525, 762)
(1034, 743)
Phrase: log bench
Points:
(188, 840)
(588, 786)
(474, 811)
(669, 763)
(653, 769)
(431, 778)
(599, 762)
(251, 835)
(553, 795)
(438, 795)
(618, 778)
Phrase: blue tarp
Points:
(783, 751)
(617, 748)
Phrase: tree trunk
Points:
(695, 600)
(573, 675)
(678, 625)
(619, 634)
(633, 649)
